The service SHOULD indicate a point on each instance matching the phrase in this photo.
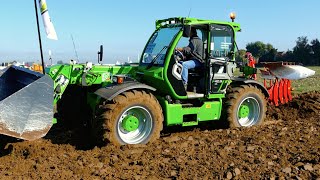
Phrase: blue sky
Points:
(123, 27)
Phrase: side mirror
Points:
(186, 31)
(100, 54)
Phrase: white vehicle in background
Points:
(3, 65)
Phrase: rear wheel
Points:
(131, 118)
(246, 106)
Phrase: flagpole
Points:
(39, 36)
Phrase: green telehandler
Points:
(131, 103)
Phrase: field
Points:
(310, 84)
(286, 146)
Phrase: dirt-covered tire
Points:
(133, 117)
(246, 106)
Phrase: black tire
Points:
(72, 109)
(246, 106)
(137, 104)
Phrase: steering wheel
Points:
(178, 55)
(177, 67)
(146, 58)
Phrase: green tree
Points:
(270, 56)
(240, 55)
(302, 51)
(286, 56)
(257, 49)
(260, 50)
(315, 46)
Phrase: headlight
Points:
(117, 79)
(114, 79)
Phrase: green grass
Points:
(311, 83)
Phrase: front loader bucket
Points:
(26, 103)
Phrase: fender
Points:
(253, 82)
(111, 91)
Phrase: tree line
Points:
(303, 53)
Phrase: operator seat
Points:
(196, 74)
(199, 71)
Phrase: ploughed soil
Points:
(287, 146)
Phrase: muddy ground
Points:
(287, 146)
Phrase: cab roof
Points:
(179, 21)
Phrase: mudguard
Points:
(113, 90)
(256, 83)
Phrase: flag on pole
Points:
(51, 33)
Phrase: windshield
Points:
(156, 49)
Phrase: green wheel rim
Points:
(244, 111)
(130, 123)
(135, 125)
(248, 112)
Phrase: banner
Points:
(51, 33)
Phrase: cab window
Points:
(221, 40)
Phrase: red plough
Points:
(277, 79)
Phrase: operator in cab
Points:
(193, 55)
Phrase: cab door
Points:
(220, 57)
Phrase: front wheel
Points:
(131, 118)
(246, 106)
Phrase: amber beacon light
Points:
(232, 16)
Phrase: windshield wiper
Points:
(155, 58)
